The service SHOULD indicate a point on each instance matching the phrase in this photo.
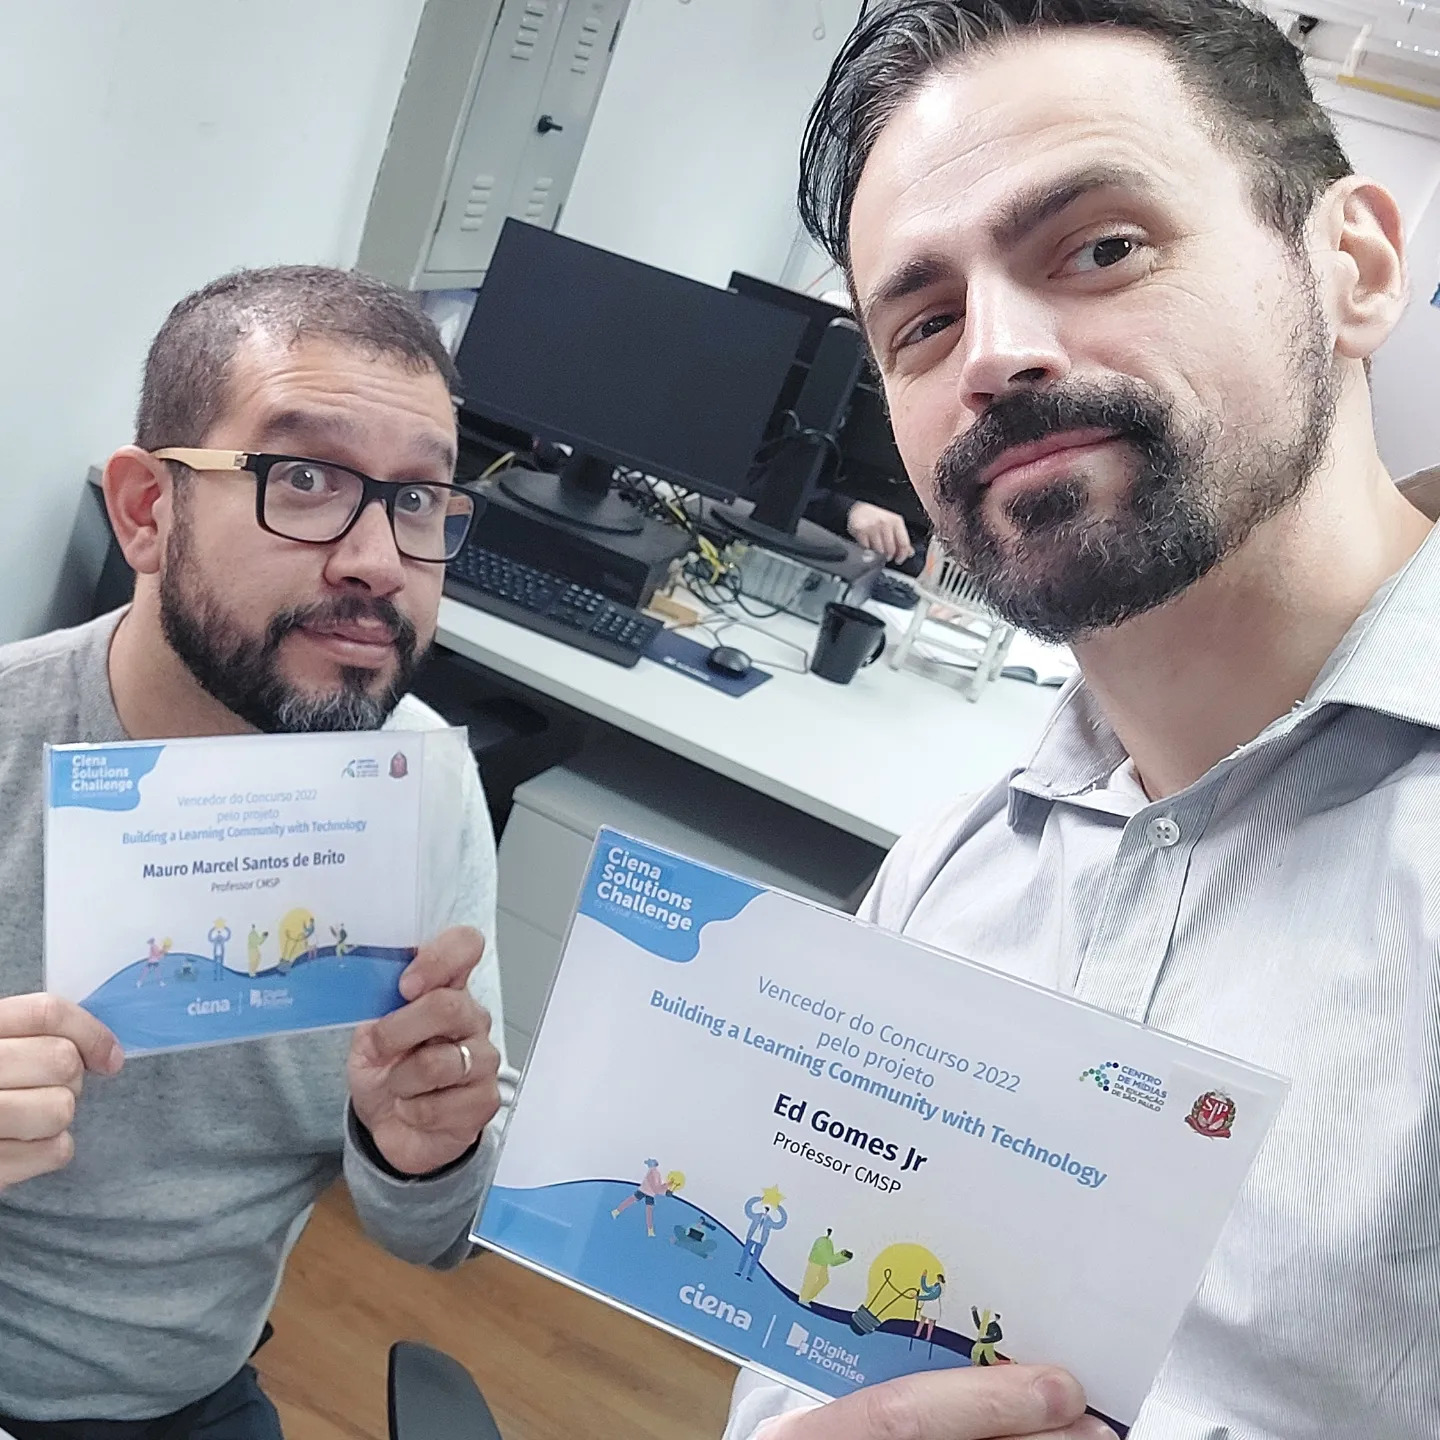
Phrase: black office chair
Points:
(432, 1397)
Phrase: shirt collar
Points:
(1387, 661)
(1390, 657)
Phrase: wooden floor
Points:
(554, 1365)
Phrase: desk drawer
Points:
(541, 868)
(528, 961)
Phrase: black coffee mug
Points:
(849, 638)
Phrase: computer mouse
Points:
(727, 660)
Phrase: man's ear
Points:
(1361, 235)
(139, 494)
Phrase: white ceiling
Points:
(1389, 40)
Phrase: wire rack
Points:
(972, 641)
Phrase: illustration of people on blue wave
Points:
(988, 1335)
(928, 1305)
(650, 1189)
(823, 1255)
(253, 943)
(219, 938)
(342, 941)
(766, 1214)
(154, 960)
(699, 1239)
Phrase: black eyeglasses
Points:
(317, 502)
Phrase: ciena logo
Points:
(698, 1298)
(208, 1007)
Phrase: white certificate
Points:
(840, 1156)
(204, 891)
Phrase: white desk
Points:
(872, 758)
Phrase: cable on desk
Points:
(495, 466)
(722, 594)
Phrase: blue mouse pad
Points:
(687, 657)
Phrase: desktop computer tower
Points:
(626, 568)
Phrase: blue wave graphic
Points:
(571, 1228)
(186, 1000)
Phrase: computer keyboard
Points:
(549, 604)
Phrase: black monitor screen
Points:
(817, 314)
(627, 363)
(867, 442)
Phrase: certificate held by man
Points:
(839, 1156)
(204, 891)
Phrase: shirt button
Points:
(1163, 832)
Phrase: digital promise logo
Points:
(825, 1354)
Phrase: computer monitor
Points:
(868, 442)
(870, 464)
(816, 313)
(629, 365)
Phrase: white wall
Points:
(146, 147)
(691, 160)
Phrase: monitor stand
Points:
(579, 495)
(791, 475)
(816, 545)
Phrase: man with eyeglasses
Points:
(287, 507)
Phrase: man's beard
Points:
(1198, 493)
(242, 671)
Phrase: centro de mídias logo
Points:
(1125, 1082)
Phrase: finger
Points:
(970, 1404)
(25, 1159)
(440, 1015)
(40, 1060)
(22, 1016)
(40, 1114)
(1088, 1427)
(464, 1110)
(443, 963)
(440, 1066)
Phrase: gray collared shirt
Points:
(1285, 908)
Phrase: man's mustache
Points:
(344, 610)
(1027, 416)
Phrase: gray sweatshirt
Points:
(138, 1279)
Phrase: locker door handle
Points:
(547, 123)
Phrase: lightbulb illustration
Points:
(899, 1276)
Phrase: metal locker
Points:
(511, 140)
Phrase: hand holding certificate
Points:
(423, 1080)
(205, 891)
(1000, 1404)
(47, 1046)
(846, 1160)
